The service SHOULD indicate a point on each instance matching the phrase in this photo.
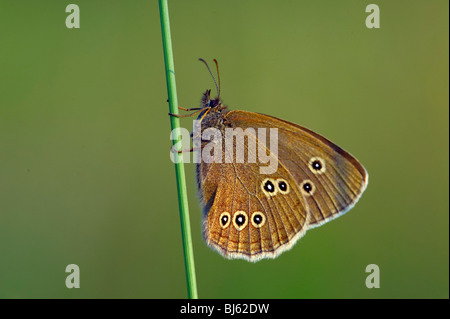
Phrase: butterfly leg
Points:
(188, 115)
(190, 109)
(192, 149)
(185, 115)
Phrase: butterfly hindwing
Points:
(337, 179)
(252, 215)
(241, 218)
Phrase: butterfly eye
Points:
(268, 187)
(283, 186)
(317, 165)
(224, 219)
(258, 219)
(307, 187)
(240, 220)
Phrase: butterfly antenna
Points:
(218, 75)
(217, 87)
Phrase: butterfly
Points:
(252, 215)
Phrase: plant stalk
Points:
(179, 167)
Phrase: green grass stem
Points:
(179, 167)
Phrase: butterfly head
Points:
(208, 102)
(206, 99)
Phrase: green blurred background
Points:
(85, 174)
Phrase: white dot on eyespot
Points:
(282, 186)
(240, 220)
(317, 165)
(268, 187)
(258, 219)
(224, 219)
(307, 187)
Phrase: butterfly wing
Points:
(336, 179)
(242, 219)
(251, 215)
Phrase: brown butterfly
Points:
(250, 215)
